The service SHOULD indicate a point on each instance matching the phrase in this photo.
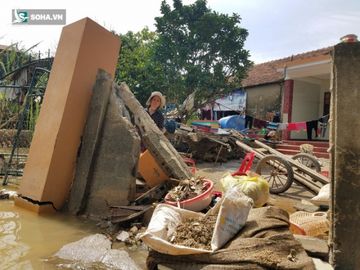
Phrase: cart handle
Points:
(245, 164)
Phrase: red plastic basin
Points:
(197, 203)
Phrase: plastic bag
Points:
(232, 216)
(232, 212)
(252, 185)
(323, 198)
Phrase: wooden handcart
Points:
(281, 171)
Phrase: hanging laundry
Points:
(296, 126)
(282, 126)
(300, 125)
(248, 121)
(291, 126)
(272, 125)
(323, 123)
(309, 127)
(324, 119)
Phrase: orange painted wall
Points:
(84, 47)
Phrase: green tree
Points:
(136, 65)
(200, 50)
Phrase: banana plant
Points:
(12, 59)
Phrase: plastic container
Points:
(205, 126)
(191, 163)
(233, 121)
(150, 170)
(197, 203)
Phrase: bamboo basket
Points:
(312, 224)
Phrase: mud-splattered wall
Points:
(263, 99)
(345, 157)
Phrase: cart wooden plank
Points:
(310, 185)
(247, 148)
(317, 176)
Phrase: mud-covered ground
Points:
(286, 200)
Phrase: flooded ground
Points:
(285, 200)
(28, 240)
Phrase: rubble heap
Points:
(195, 232)
(187, 189)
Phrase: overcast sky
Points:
(277, 28)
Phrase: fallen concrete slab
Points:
(154, 140)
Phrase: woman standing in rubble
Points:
(154, 104)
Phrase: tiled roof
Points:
(268, 72)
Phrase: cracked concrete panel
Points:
(116, 158)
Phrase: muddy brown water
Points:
(28, 240)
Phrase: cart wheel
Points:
(308, 161)
(277, 171)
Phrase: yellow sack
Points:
(253, 185)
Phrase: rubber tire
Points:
(286, 164)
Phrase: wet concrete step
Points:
(297, 148)
(314, 143)
(294, 152)
(292, 147)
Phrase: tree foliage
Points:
(193, 49)
(200, 50)
(136, 65)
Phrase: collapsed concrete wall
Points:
(116, 161)
(107, 166)
(109, 155)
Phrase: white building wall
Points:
(306, 105)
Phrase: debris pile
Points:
(187, 189)
(130, 237)
(207, 146)
(195, 232)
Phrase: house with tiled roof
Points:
(297, 87)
